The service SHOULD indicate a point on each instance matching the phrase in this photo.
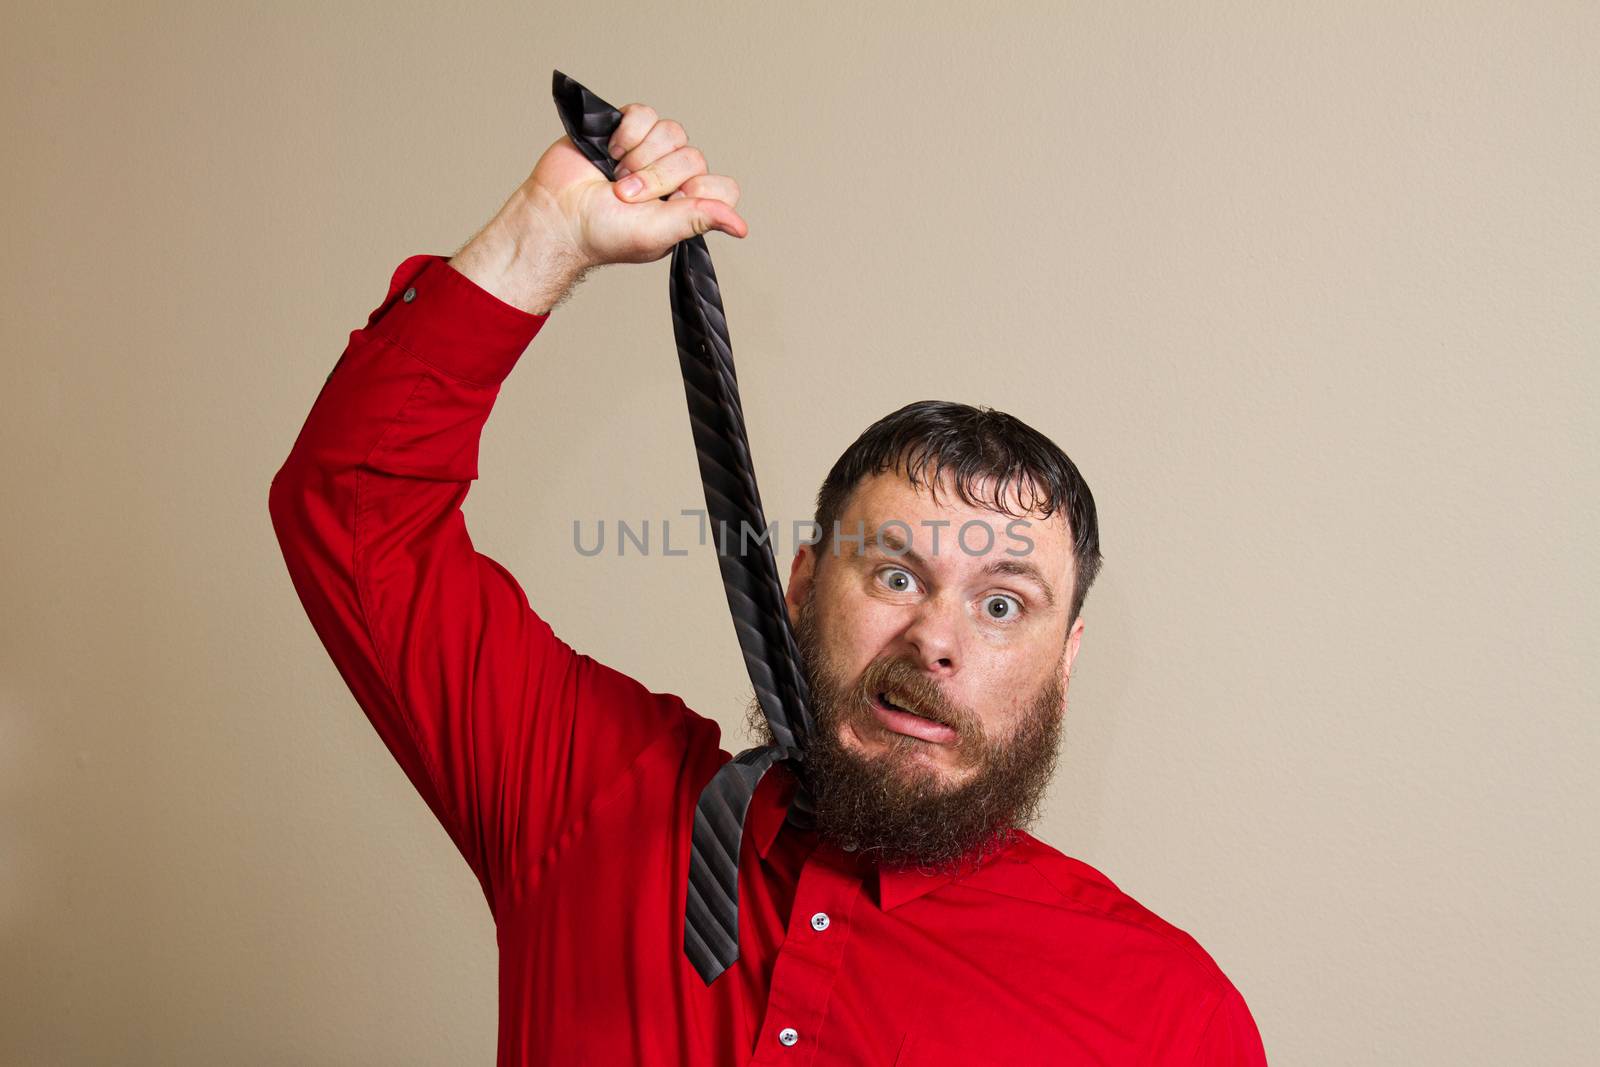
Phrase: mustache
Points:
(913, 690)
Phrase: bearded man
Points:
(908, 918)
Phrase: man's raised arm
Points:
(505, 731)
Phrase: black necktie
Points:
(749, 576)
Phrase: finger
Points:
(713, 186)
(663, 176)
(636, 122)
(664, 137)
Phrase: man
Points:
(914, 922)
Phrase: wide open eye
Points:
(898, 579)
(995, 608)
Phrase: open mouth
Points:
(883, 698)
(903, 720)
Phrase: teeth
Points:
(887, 698)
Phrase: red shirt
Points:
(569, 788)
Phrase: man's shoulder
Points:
(1083, 894)
(1080, 939)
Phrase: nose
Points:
(934, 634)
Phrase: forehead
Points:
(888, 504)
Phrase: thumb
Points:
(681, 217)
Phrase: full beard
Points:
(893, 806)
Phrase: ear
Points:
(802, 574)
(1073, 639)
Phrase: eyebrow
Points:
(890, 543)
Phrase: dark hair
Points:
(975, 443)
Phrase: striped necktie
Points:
(750, 577)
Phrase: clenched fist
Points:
(567, 218)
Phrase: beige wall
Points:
(1308, 291)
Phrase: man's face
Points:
(921, 618)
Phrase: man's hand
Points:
(567, 218)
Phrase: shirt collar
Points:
(897, 887)
(769, 806)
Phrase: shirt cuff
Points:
(451, 323)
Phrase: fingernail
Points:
(616, 151)
(631, 185)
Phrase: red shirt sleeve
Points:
(505, 730)
(1231, 1038)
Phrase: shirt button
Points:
(819, 921)
(411, 294)
(788, 1035)
(849, 846)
